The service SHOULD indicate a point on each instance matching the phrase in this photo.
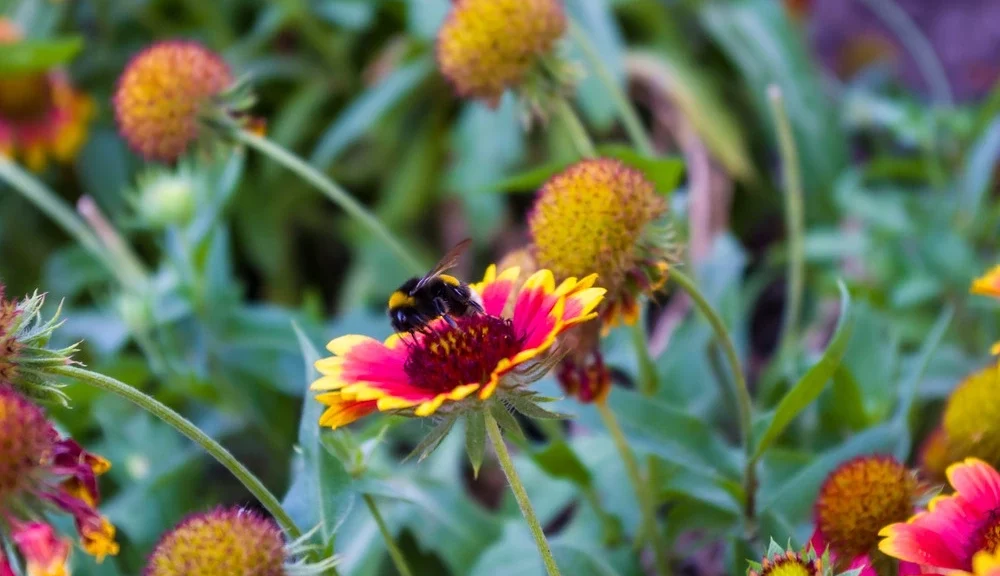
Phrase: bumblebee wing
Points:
(447, 262)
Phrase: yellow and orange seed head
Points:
(26, 441)
(487, 46)
(971, 418)
(591, 218)
(861, 497)
(223, 542)
(161, 94)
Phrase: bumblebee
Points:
(435, 295)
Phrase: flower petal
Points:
(496, 292)
(914, 543)
(977, 483)
(342, 411)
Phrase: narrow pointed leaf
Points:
(475, 439)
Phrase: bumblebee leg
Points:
(449, 320)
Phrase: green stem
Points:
(185, 427)
(740, 394)
(626, 111)
(647, 507)
(332, 191)
(574, 128)
(794, 223)
(648, 381)
(398, 560)
(521, 495)
(47, 201)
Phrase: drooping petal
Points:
(340, 411)
(45, 554)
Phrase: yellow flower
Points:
(223, 542)
(596, 216)
(988, 284)
(487, 46)
(161, 94)
(859, 498)
(42, 116)
(971, 418)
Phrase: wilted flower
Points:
(40, 470)
(858, 499)
(163, 93)
(598, 216)
(582, 372)
(42, 116)
(971, 418)
(447, 365)
(954, 527)
(487, 46)
(227, 542)
(24, 359)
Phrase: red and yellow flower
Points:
(40, 470)
(42, 116)
(449, 366)
(954, 528)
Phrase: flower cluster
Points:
(456, 365)
(605, 217)
(42, 116)
(163, 94)
(39, 472)
(487, 46)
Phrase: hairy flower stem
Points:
(398, 560)
(650, 529)
(574, 127)
(521, 495)
(52, 205)
(185, 427)
(332, 191)
(626, 111)
(740, 392)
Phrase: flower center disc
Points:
(25, 98)
(991, 533)
(467, 353)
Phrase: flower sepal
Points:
(25, 359)
(778, 560)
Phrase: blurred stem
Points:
(332, 191)
(909, 34)
(647, 506)
(648, 381)
(575, 129)
(521, 495)
(185, 427)
(630, 118)
(52, 205)
(740, 393)
(398, 560)
(794, 223)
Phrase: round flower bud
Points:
(971, 419)
(161, 94)
(487, 46)
(223, 542)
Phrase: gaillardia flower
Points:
(858, 499)
(487, 46)
(42, 116)
(780, 562)
(597, 216)
(24, 358)
(163, 94)
(450, 367)
(39, 471)
(228, 542)
(955, 527)
(971, 419)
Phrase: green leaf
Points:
(28, 56)
(506, 420)
(811, 385)
(977, 174)
(321, 493)
(367, 109)
(433, 438)
(558, 460)
(527, 404)
(475, 439)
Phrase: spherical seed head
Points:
(591, 218)
(861, 497)
(971, 419)
(224, 542)
(487, 46)
(161, 93)
(26, 440)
